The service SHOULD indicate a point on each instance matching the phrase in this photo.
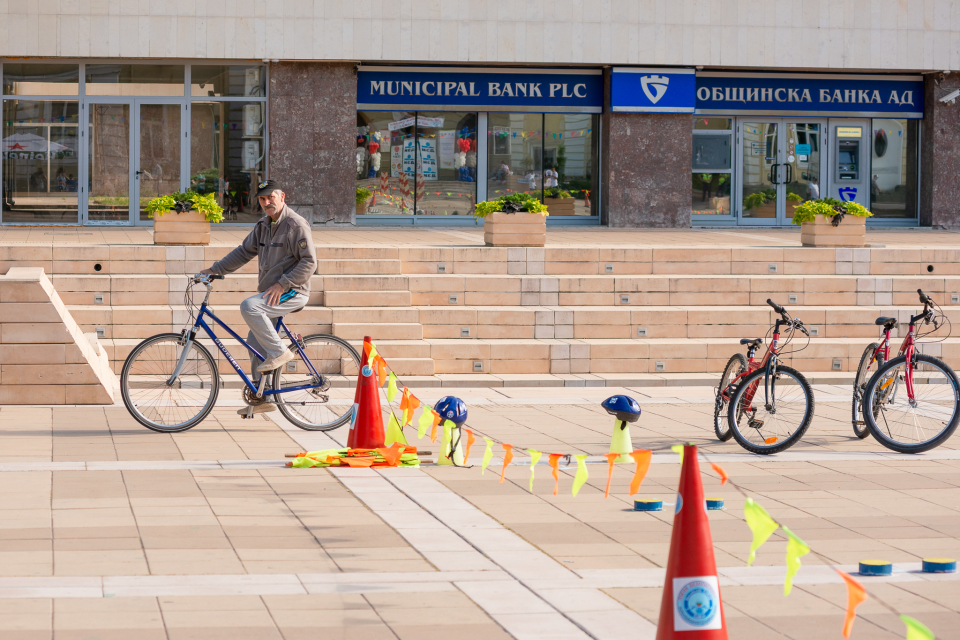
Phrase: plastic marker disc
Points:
(875, 568)
(648, 505)
(939, 565)
(714, 504)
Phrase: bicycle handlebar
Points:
(201, 277)
(776, 307)
(924, 298)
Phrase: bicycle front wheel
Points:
(736, 365)
(326, 401)
(169, 407)
(867, 366)
(770, 424)
(918, 424)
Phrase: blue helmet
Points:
(452, 408)
(624, 407)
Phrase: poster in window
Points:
(448, 148)
(396, 160)
(410, 156)
(428, 158)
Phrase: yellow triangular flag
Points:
(391, 387)
(678, 449)
(916, 630)
(394, 432)
(534, 459)
(372, 356)
(487, 456)
(760, 523)
(582, 475)
(426, 420)
(796, 549)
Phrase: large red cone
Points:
(353, 436)
(691, 608)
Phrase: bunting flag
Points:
(433, 426)
(856, 595)
(678, 449)
(426, 419)
(723, 474)
(611, 460)
(470, 440)
(392, 388)
(581, 478)
(381, 370)
(487, 456)
(642, 458)
(371, 351)
(554, 462)
(534, 459)
(507, 457)
(394, 432)
(760, 523)
(916, 630)
(409, 404)
(796, 549)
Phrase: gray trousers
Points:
(261, 317)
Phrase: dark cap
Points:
(267, 187)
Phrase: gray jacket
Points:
(287, 258)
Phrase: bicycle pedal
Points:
(860, 423)
(756, 424)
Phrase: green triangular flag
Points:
(391, 387)
(760, 523)
(582, 475)
(534, 459)
(426, 421)
(487, 456)
(796, 549)
(394, 432)
(678, 449)
(916, 630)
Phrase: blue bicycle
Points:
(170, 382)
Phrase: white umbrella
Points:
(29, 142)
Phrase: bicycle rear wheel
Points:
(920, 425)
(169, 407)
(864, 372)
(736, 365)
(766, 429)
(326, 404)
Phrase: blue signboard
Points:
(472, 89)
(777, 94)
(652, 90)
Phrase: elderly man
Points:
(284, 245)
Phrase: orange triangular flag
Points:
(856, 594)
(408, 404)
(643, 457)
(361, 461)
(381, 370)
(719, 470)
(433, 429)
(367, 346)
(470, 440)
(554, 462)
(392, 455)
(507, 457)
(611, 460)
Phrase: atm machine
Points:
(850, 161)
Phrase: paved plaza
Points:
(109, 530)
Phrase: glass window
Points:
(40, 161)
(446, 163)
(159, 152)
(108, 162)
(41, 79)
(386, 160)
(228, 155)
(712, 124)
(218, 81)
(570, 162)
(134, 80)
(893, 168)
(712, 163)
(514, 154)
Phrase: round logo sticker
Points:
(367, 370)
(679, 504)
(697, 603)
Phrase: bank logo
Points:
(654, 87)
(848, 194)
(696, 603)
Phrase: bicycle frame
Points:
(753, 365)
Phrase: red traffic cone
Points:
(366, 432)
(351, 437)
(691, 608)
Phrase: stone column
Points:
(313, 124)
(940, 155)
(647, 166)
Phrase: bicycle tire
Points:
(756, 380)
(148, 371)
(885, 435)
(287, 403)
(859, 384)
(736, 365)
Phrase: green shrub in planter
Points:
(183, 202)
(363, 195)
(829, 208)
(556, 192)
(513, 203)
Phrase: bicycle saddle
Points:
(753, 342)
(886, 322)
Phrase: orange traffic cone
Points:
(352, 436)
(366, 432)
(691, 592)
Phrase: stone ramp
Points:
(44, 356)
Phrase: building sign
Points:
(471, 89)
(652, 90)
(776, 94)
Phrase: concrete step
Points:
(358, 267)
(365, 283)
(374, 314)
(393, 331)
(367, 298)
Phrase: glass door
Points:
(158, 152)
(803, 147)
(761, 192)
(109, 175)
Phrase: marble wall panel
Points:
(940, 156)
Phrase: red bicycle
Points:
(912, 402)
(787, 408)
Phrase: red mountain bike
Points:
(911, 403)
(772, 418)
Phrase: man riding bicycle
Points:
(284, 245)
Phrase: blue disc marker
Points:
(939, 565)
(876, 568)
(648, 505)
(714, 504)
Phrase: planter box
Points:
(362, 207)
(560, 206)
(852, 232)
(515, 229)
(181, 228)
